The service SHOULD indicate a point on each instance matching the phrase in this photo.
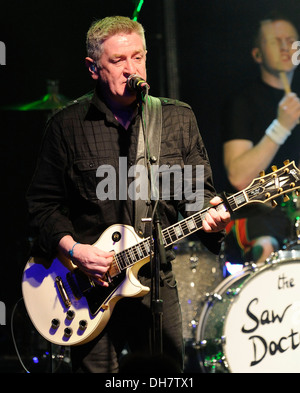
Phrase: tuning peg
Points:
(262, 174)
(274, 168)
(286, 162)
(274, 203)
(286, 198)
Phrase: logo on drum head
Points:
(295, 309)
(263, 323)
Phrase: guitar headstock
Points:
(279, 182)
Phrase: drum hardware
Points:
(292, 245)
(203, 344)
(289, 252)
(252, 266)
(193, 262)
(211, 297)
(297, 227)
(217, 362)
(231, 292)
(272, 258)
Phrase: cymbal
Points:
(51, 101)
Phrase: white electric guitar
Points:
(67, 308)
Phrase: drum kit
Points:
(249, 321)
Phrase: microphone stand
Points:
(158, 259)
(158, 255)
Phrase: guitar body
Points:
(61, 303)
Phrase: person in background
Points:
(66, 214)
(262, 129)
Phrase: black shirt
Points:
(248, 115)
(79, 139)
(251, 112)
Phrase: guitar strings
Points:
(136, 252)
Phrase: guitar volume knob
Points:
(70, 314)
(83, 324)
(55, 323)
(68, 332)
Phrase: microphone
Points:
(137, 83)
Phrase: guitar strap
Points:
(153, 125)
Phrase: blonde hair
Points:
(102, 29)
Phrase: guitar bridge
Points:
(96, 295)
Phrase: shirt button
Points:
(91, 165)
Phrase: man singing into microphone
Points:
(65, 213)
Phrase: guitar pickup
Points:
(63, 293)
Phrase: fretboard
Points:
(170, 235)
(263, 189)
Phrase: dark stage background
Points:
(198, 52)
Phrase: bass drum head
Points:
(256, 322)
(262, 327)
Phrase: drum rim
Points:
(282, 256)
(220, 289)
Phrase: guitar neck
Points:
(170, 235)
(193, 223)
(263, 189)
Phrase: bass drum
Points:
(197, 272)
(251, 323)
